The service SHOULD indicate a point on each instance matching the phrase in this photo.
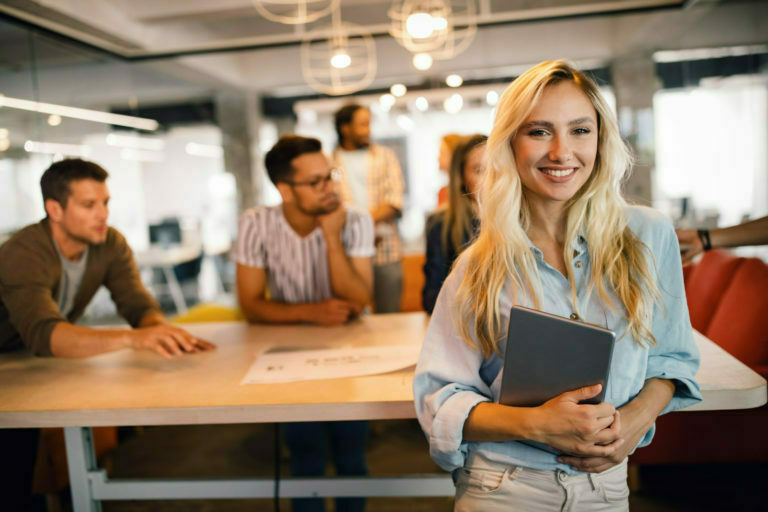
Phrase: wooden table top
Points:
(141, 388)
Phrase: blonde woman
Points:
(454, 224)
(555, 235)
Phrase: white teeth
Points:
(558, 173)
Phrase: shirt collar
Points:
(579, 245)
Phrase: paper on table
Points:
(280, 365)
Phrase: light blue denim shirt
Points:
(452, 377)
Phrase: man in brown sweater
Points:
(49, 272)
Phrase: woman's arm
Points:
(562, 423)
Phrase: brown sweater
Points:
(30, 273)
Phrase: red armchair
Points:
(728, 302)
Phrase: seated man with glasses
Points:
(314, 257)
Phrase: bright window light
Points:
(205, 150)
(135, 142)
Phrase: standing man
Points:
(372, 182)
(314, 258)
(49, 272)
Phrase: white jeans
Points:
(487, 486)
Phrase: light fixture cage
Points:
(316, 53)
(460, 30)
(295, 12)
(402, 10)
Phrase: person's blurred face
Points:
(473, 170)
(84, 217)
(556, 146)
(444, 157)
(358, 131)
(312, 189)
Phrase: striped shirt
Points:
(384, 182)
(296, 267)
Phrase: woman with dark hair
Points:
(454, 225)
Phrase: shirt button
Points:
(562, 476)
(578, 264)
(574, 316)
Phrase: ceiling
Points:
(112, 53)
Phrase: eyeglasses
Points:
(318, 184)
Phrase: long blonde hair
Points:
(457, 215)
(619, 260)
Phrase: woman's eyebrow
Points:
(581, 120)
(545, 124)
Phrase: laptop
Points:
(548, 355)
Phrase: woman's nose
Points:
(560, 150)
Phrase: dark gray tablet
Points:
(548, 355)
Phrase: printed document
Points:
(282, 364)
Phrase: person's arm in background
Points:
(251, 258)
(351, 277)
(391, 204)
(435, 266)
(251, 294)
(74, 341)
(750, 233)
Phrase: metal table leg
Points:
(81, 459)
(175, 288)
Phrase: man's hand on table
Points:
(333, 312)
(167, 340)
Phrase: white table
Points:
(164, 259)
(128, 388)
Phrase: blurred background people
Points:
(372, 182)
(447, 145)
(314, 256)
(452, 227)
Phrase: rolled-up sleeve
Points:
(675, 355)
(447, 382)
(392, 180)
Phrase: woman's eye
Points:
(537, 133)
(582, 131)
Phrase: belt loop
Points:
(591, 478)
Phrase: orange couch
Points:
(728, 302)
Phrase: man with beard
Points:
(313, 256)
(49, 272)
(372, 182)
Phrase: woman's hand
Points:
(637, 418)
(578, 429)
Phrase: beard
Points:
(320, 209)
(83, 239)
